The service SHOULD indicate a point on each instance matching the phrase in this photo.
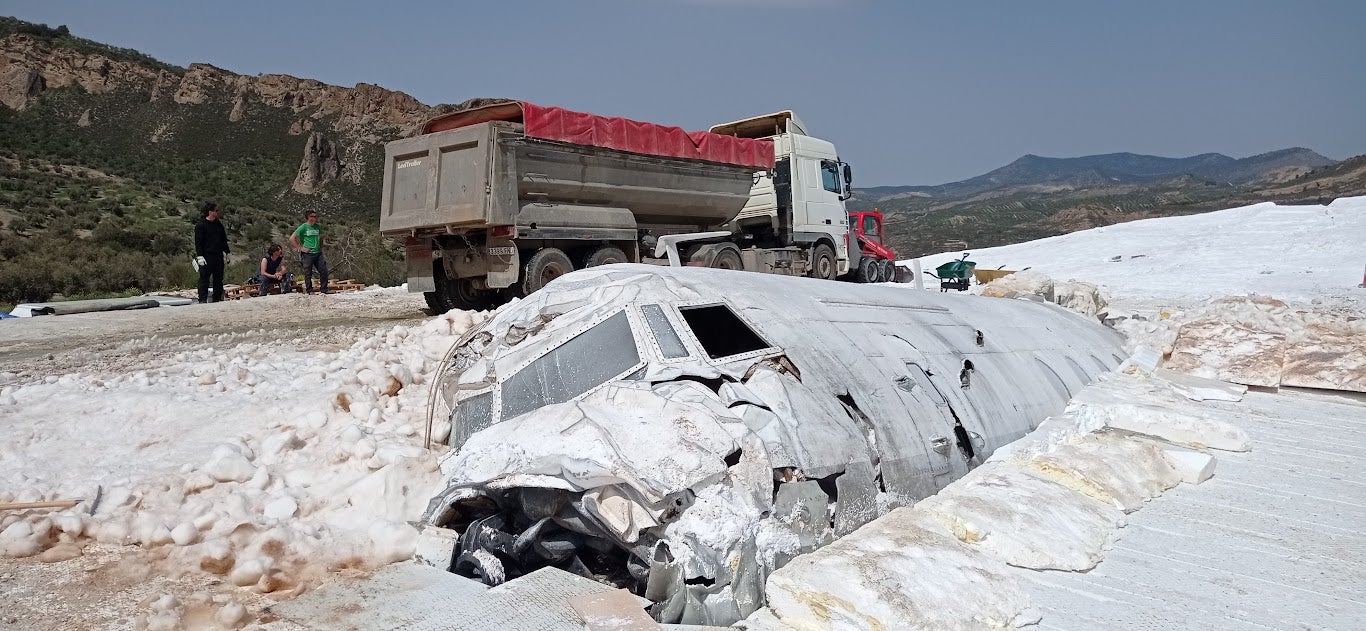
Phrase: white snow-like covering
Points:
(1296, 253)
(268, 466)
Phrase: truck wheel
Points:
(888, 271)
(435, 303)
(869, 270)
(457, 293)
(727, 258)
(461, 294)
(823, 262)
(545, 265)
(605, 255)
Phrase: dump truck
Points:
(494, 202)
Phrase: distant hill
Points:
(1116, 168)
(1035, 197)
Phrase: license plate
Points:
(502, 251)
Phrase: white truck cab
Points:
(800, 202)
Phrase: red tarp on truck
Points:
(614, 132)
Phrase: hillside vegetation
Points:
(99, 191)
(1036, 197)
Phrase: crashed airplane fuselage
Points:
(684, 431)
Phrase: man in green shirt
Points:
(307, 239)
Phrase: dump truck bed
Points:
(485, 174)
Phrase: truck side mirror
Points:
(848, 181)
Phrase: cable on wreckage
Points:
(440, 371)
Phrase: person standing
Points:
(307, 239)
(210, 252)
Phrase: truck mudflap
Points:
(496, 263)
(504, 264)
(421, 274)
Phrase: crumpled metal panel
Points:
(867, 397)
(614, 436)
(814, 430)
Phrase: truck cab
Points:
(800, 203)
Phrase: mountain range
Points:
(1035, 197)
(1118, 168)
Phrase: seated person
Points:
(274, 271)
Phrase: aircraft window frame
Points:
(687, 330)
(491, 414)
(661, 328)
(502, 403)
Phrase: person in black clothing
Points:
(274, 271)
(210, 252)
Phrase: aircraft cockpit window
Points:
(471, 415)
(586, 361)
(669, 343)
(721, 332)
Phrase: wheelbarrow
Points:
(954, 274)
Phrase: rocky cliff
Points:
(338, 123)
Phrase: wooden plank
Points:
(49, 504)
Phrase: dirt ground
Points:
(115, 341)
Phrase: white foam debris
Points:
(1109, 468)
(1201, 389)
(228, 464)
(894, 569)
(1193, 467)
(1154, 407)
(984, 508)
(241, 462)
(231, 616)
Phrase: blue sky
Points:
(910, 93)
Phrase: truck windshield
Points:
(830, 176)
(582, 363)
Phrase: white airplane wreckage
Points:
(683, 432)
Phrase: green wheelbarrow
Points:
(954, 274)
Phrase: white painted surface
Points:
(1296, 253)
(1272, 541)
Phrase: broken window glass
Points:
(586, 361)
(721, 332)
(665, 335)
(471, 415)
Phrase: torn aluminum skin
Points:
(682, 432)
